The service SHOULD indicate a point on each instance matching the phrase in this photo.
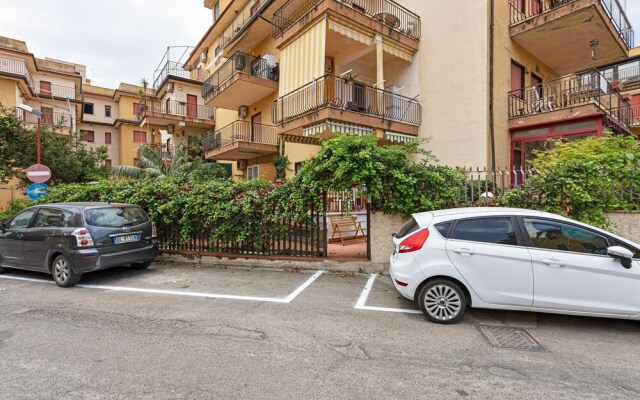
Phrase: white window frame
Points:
(253, 172)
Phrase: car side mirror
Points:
(622, 254)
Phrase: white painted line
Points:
(285, 300)
(38, 173)
(361, 304)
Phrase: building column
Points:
(379, 62)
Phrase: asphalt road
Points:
(261, 334)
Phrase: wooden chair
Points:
(344, 225)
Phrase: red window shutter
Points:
(107, 163)
(107, 138)
(139, 137)
(45, 88)
(517, 77)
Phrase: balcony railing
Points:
(635, 116)
(163, 151)
(523, 9)
(622, 74)
(242, 18)
(389, 13)
(239, 63)
(173, 108)
(571, 91)
(330, 91)
(172, 68)
(48, 90)
(60, 119)
(240, 131)
(15, 67)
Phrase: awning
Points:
(399, 137)
(395, 50)
(350, 30)
(303, 59)
(342, 128)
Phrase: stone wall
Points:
(382, 226)
(625, 224)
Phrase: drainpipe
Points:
(491, 84)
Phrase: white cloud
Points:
(118, 40)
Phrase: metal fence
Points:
(349, 95)
(289, 237)
(346, 201)
(238, 63)
(173, 108)
(240, 131)
(241, 19)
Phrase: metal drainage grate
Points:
(508, 337)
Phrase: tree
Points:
(150, 164)
(66, 155)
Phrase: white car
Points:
(513, 259)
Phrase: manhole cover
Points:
(509, 337)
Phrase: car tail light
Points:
(154, 231)
(83, 237)
(414, 242)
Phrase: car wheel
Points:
(142, 265)
(62, 272)
(3, 270)
(442, 301)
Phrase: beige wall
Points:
(625, 224)
(10, 191)
(453, 79)
(99, 104)
(99, 134)
(299, 152)
(129, 149)
(8, 93)
(382, 226)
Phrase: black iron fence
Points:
(387, 12)
(346, 201)
(241, 19)
(349, 95)
(570, 91)
(525, 9)
(240, 131)
(163, 151)
(239, 63)
(173, 108)
(172, 68)
(289, 237)
(617, 74)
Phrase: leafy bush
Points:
(14, 207)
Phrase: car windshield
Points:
(409, 227)
(115, 216)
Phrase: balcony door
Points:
(47, 115)
(256, 128)
(192, 106)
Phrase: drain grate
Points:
(509, 337)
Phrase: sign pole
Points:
(38, 143)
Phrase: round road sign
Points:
(38, 173)
(37, 190)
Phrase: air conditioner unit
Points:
(241, 165)
(171, 129)
(239, 61)
(270, 59)
(203, 56)
(243, 111)
(170, 87)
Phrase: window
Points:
(408, 228)
(497, 230)
(88, 136)
(45, 88)
(112, 217)
(88, 108)
(216, 11)
(107, 138)
(554, 235)
(444, 228)
(139, 137)
(252, 172)
(51, 217)
(218, 51)
(21, 220)
(135, 107)
(297, 166)
(107, 163)
(517, 79)
(107, 111)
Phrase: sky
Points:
(122, 40)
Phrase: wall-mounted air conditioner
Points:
(243, 111)
(241, 165)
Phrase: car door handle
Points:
(553, 262)
(463, 252)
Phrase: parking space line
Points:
(285, 300)
(362, 300)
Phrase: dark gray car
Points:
(69, 239)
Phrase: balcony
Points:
(241, 140)
(635, 116)
(53, 119)
(163, 151)
(169, 112)
(15, 68)
(241, 80)
(559, 32)
(47, 90)
(575, 95)
(384, 16)
(331, 97)
(248, 25)
(172, 65)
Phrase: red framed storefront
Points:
(527, 139)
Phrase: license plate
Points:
(126, 239)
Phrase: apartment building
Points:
(488, 82)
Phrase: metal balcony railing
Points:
(163, 151)
(239, 63)
(635, 116)
(231, 32)
(574, 90)
(60, 119)
(173, 108)
(48, 90)
(330, 91)
(388, 12)
(614, 74)
(15, 67)
(240, 131)
(171, 68)
(525, 9)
